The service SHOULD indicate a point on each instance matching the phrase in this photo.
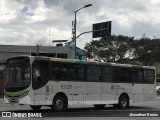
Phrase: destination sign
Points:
(17, 61)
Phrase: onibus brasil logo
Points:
(15, 114)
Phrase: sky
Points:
(32, 22)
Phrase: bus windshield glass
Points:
(17, 74)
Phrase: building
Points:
(7, 51)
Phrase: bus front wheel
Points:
(36, 107)
(59, 103)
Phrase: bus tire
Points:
(123, 102)
(36, 107)
(59, 104)
(99, 105)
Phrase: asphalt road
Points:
(151, 108)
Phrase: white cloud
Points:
(28, 22)
(155, 2)
(8, 11)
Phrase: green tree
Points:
(115, 48)
(110, 48)
(147, 50)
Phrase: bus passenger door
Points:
(110, 93)
(149, 85)
(94, 85)
(77, 82)
(137, 85)
(124, 79)
(40, 79)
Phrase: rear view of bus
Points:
(18, 80)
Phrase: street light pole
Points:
(75, 25)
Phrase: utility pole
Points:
(75, 25)
(37, 49)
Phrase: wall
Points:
(7, 51)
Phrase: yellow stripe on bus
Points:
(62, 60)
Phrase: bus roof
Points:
(86, 62)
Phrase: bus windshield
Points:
(17, 76)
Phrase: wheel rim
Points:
(59, 104)
(123, 102)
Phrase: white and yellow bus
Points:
(57, 83)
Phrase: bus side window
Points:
(59, 71)
(123, 75)
(109, 74)
(137, 75)
(76, 72)
(53, 71)
(149, 76)
(37, 77)
(94, 74)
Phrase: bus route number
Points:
(66, 86)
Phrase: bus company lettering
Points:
(117, 87)
(66, 86)
(77, 87)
